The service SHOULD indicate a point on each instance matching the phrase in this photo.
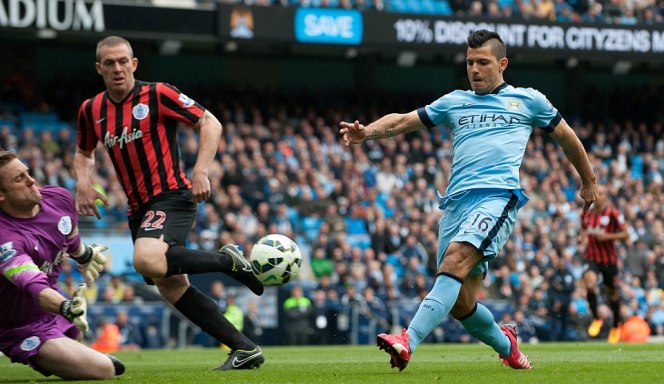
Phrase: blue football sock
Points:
(483, 327)
(433, 308)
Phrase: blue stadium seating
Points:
(38, 117)
(11, 124)
(41, 121)
(397, 6)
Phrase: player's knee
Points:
(460, 260)
(150, 257)
(107, 373)
(150, 264)
(99, 369)
(142, 266)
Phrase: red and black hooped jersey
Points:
(140, 135)
(608, 221)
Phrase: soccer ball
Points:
(275, 259)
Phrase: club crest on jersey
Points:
(30, 343)
(64, 225)
(7, 251)
(140, 111)
(185, 100)
(514, 104)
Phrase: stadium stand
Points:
(308, 172)
(566, 11)
(356, 211)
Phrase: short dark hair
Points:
(480, 37)
(5, 157)
(112, 41)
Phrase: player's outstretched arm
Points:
(387, 126)
(564, 135)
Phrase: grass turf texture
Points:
(590, 362)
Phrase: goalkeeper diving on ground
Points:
(39, 326)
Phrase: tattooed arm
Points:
(387, 126)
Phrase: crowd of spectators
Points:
(366, 216)
(620, 12)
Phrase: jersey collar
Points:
(499, 88)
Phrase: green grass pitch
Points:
(590, 362)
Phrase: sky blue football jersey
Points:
(489, 133)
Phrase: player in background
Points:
(490, 127)
(39, 326)
(601, 228)
(137, 122)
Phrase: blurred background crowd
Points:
(366, 216)
(621, 12)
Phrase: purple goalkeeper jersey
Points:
(31, 253)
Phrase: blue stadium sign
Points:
(328, 26)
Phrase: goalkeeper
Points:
(39, 231)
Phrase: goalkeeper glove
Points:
(91, 262)
(76, 309)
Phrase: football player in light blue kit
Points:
(490, 126)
